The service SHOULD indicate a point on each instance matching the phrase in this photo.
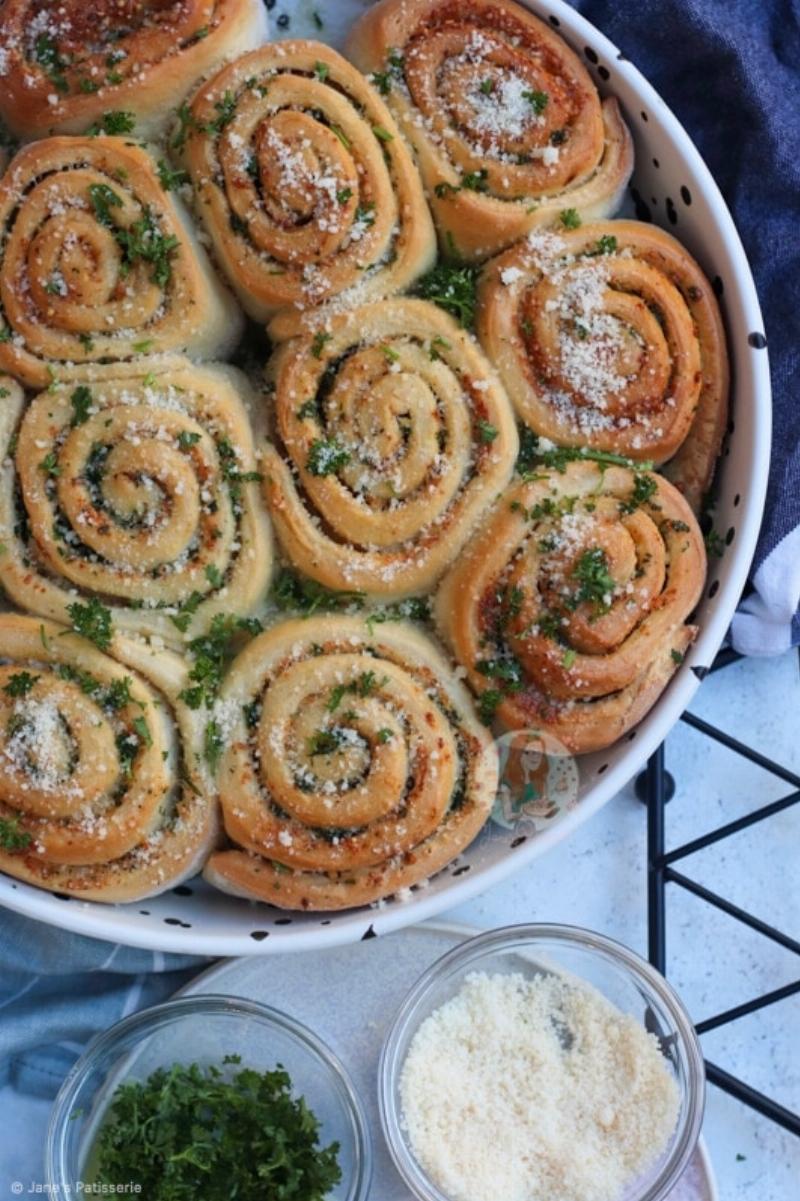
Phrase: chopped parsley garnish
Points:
(308, 409)
(570, 218)
(183, 618)
(12, 837)
(48, 57)
(321, 340)
(143, 731)
(487, 432)
(644, 489)
(413, 608)
(568, 658)
(537, 100)
(343, 195)
(341, 135)
(676, 657)
(595, 583)
(293, 592)
(81, 401)
(231, 473)
(49, 464)
(508, 671)
(208, 654)
(364, 685)
(382, 134)
(20, 684)
(436, 345)
(607, 244)
(213, 744)
(226, 111)
(187, 438)
(325, 742)
(92, 621)
(488, 704)
(451, 286)
(715, 544)
(103, 199)
(322, 71)
(326, 456)
(486, 87)
(213, 575)
(114, 124)
(169, 178)
(384, 735)
(390, 354)
(144, 241)
(192, 1131)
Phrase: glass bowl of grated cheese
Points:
(541, 1063)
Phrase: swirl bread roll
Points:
(104, 793)
(609, 336)
(67, 62)
(355, 765)
(304, 184)
(97, 263)
(505, 122)
(568, 607)
(137, 492)
(395, 437)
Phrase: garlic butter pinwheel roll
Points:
(304, 184)
(104, 792)
(97, 263)
(68, 64)
(394, 437)
(355, 765)
(506, 125)
(609, 336)
(568, 608)
(139, 492)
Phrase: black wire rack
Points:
(655, 788)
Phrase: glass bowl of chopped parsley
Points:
(209, 1097)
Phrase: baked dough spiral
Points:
(139, 491)
(304, 184)
(355, 765)
(609, 336)
(103, 790)
(97, 263)
(506, 124)
(68, 62)
(567, 609)
(396, 438)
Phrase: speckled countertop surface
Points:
(598, 879)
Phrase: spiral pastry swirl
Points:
(609, 336)
(567, 609)
(138, 492)
(506, 124)
(355, 766)
(103, 789)
(398, 436)
(304, 183)
(97, 263)
(66, 63)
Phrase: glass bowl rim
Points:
(469, 954)
(179, 1009)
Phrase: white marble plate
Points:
(672, 185)
(348, 996)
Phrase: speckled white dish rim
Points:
(673, 185)
(354, 1022)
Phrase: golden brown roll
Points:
(609, 336)
(104, 793)
(98, 263)
(138, 492)
(304, 184)
(68, 63)
(355, 765)
(506, 125)
(568, 608)
(395, 437)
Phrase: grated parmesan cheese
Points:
(535, 1089)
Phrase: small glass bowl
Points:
(627, 981)
(204, 1030)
